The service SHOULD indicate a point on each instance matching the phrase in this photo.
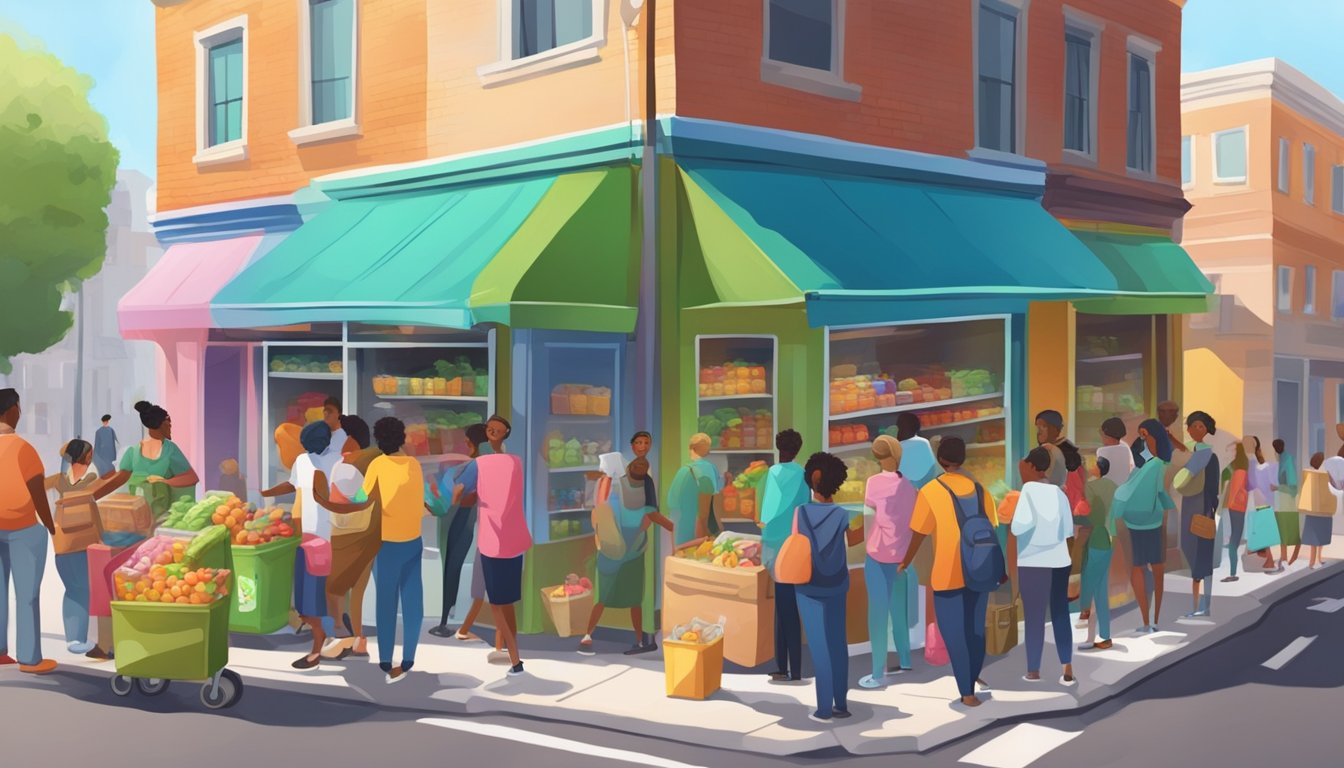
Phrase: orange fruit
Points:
(217, 518)
(182, 600)
(190, 578)
(159, 585)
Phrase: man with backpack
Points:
(968, 562)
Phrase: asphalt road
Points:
(1221, 707)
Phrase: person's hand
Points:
(155, 479)
(901, 568)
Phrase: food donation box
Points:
(724, 577)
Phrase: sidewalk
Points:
(749, 714)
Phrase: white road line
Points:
(1281, 659)
(552, 742)
(1327, 605)
(1019, 747)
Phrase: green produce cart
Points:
(264, 575)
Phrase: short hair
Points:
(700, 443)
(1053, 418)
(508, 428)
(334, 402)
(9, 397)
(1202, 418)
(151, 416)
(1279, 445)
(907, 425)
(1114, 428)
(315, 437)
(356, 429)
(106, 417)
(639, 434)
(789, 443)
(1317, 459)
(76, 450)
(390, 434)
(833, 473)
(1103, 466)
(1037, 457)
(476, 435)
(952, 450)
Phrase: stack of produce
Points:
(446, 431)
(565, 498)
(992, 432)
(580, 400)
(187, 514)
(247, 526)
(739, 428)
(574, 586)
(305, 364)
(445, 379)
(848, 434)
(305, 408)
(864, 391)
(739, 498)
(738, 377)
(572, 452)
(165, 569)
(726, 552)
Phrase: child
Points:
(73, 567)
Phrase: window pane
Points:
(1139, 154)
(540, 25)
(573, 21)
(1309, 289)
(1230, 154)
(235, 121)
(1187, 160)
(1285, 289)
(1309, 173)
(1285, 164)
(800, 32)
(219, 120)
(1337, 300)
(235, 70)
(1337, 189)
(997, 105)
(1077, 87)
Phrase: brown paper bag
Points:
(1000, 629)
(77, 523)
(1315, 497)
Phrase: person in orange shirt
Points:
(23, 539)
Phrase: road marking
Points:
(1327, 604)
(552, 742)
(1280, 659)
(1020, 747)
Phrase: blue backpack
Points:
(982, 563)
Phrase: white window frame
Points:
(1091, 27)
(1246, 142)
(830, 83)
(230, 151)
(1192, 138)
(1337, 296)
(1283, 289)
(1308, 173)
(508, 69)
(307, 132)
(1284, 182)
(1146, 49)
(1019, 151)
(1309, 289)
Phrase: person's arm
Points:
(702, 515)
(111, 483)
(921, 525)
(36, 479)
(916, 540)
(282, 489)
(185, 480)
(323, 498)
(656, 518)
(49, 482)
(853, 535)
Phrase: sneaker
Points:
(441, 631)
(5, 658)
(870, 682)
(307, 662)
(79, 648)
(1230, 579)
(1068, 681)
(98, 654)
(817, 717)
(396, 675)
(42, 667)
(779, 677)
(498, 657)
(516, 669)
(465, 637)
(1101, 646)
(983, 685)
(899, 670)
(841, 714)
(642, 648)
(586, 646)
(1031, 679)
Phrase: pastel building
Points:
(1263, 166)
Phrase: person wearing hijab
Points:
(1199, 552)
(1143, 503)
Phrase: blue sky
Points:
(113, 40)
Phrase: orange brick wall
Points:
(390, 99)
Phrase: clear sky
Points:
(113, 40)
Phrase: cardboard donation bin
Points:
(744, 595)
(569, 614)
(694, 665)
(126, 513)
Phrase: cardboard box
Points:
(694, 670)
(1315, 497)
(745, 597)
(124, 512)
(77, 523)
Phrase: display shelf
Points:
(744, 451)
(573, 511)
(437, 398)
(579, 468)
(1129, 358)
(925, 406)
(300, 375)
(995, 444)
(721, 398)
(439, 458)
(955, 424)
(577, 418)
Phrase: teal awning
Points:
(860, 250)
(1155, 276)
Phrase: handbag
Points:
(1203, 527)
(1187, 483)
(793, 565)
(610, 542)
(316, 555)
(1262, 529)
(935, 650)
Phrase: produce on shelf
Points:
(725, 552)
(166, 569)
(861, 391)
(739, 497)
(305, 364)
(572, 452)
(565, 498)
(739, 428)
(1117, 398)
(848, 434)
(738, 377)
(580, 400)
(574, 585)
(442, 432)
(564, 529)
(456, 379)
(305, 408)
(187, 514)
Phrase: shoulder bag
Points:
(793, 565)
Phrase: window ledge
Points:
(1005, 159)
(815, 81)
(220, 154)
(336, 129)
(571, 55)
(1235, 181)
(1078, 157)
(1135, 173)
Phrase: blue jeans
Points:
(1042, 589)
(788, 632)
(1095, 589)
(23, 557)
(887, 606)
(961, 621)
(397, 579)
(824, 620)
(1238, 522)
(74, 571)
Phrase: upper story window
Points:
(1229, 156)
(1285, 289)
(1337, 298)
(997, 75)
(221, 87)
(1309, 288)
(1309, 174)
(1187, 161)
(1078, 91)
(1337, 191)
(544, 25)
(804, 47)
(1141, 128)
(536, 36)
(328, 63)
(1285, 165)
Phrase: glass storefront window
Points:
(1111, 379)
(299, 379)
(735, 382)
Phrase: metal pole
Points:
(79, 363)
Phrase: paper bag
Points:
(1315, 497)
(77, 523)
(1000, 629)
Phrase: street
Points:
(1203, 711)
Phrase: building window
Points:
(1078, 97)
(1309, 287)
(332, 60)
(1187, 160)
(543, 25)
(996, 55)
(1229, 156)
(1285, 289)
(1309, 174)
(42, 425)
(1339, 403)
(225, 105)
(1139, 156)
(1285, 164)
(1337, 189)
(221, 89)
(1337, 296)
(802, 33)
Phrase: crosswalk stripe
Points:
(1280, 660)
(552, 742)
(1019, 747)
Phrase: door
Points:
(1288, 416)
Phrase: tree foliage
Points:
(57, 169)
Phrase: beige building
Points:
(1263, 167)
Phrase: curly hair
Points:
(832, 473)
(390, 434)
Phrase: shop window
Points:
(1337, 295)
(1285, 165)
(1229, 156)
(328, 56)
(736, 407)
(1111, 378)
(951, 375)
(1309, 174)
(1285, 289)
(543, 25)
(1139, 145)
(1080, 86)
(997, 75)
(299, 379)
(1309, 288)
(1187, 161)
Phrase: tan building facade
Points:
(1263, 167)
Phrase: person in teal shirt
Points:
(785, 490)
(1142, 503)
(691, 495)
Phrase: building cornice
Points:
(1263, 79)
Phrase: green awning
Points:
(1155, 276)
(428, 259)
(857, 250)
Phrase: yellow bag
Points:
(1315, 497)
(793, 565)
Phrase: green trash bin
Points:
(264, 585)
(169, 641)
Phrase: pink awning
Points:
(177, 292)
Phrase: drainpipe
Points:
(647, 410)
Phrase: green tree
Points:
(57, 169)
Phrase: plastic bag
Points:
(699, 631)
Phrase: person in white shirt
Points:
(1114, 450)
(1041, 535)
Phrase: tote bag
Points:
(793, 565)
(1262, 529)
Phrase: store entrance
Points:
(225, 389)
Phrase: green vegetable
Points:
(204, 541)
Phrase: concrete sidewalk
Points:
(622, 693)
